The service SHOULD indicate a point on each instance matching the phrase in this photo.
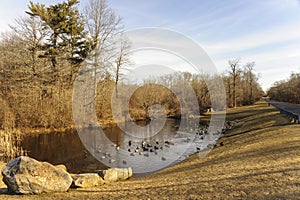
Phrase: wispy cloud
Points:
(280, 34)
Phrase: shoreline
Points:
(103, 123)
(258, 159)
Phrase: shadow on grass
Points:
(3, 191)
(256, 120)
(254, 129)
(239, 115)
(195, 185)
(233, 157)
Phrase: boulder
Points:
(115, 174)
(87, 180)
(25, 175)
(61, 167)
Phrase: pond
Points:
(67, 148)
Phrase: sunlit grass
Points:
(259, 159)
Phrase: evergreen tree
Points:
(67, 36)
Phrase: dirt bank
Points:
(258, 159)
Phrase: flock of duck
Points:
(144, 148)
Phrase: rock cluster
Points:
(115, 174)
(25, 175)
(87, 180)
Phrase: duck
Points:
(143, 143)
(145, 149)
(114, 144)
(167, 142)
(149, 145)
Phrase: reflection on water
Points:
(67, 148)
(61, 148)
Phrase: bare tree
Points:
(249, 67)
(235, 72)
(122, 60)
(32, 32)
(229, 90)
(102, 26)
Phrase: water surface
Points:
(67, 148)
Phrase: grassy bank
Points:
(258, 159)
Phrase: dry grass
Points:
(259, 160)
(10, 141)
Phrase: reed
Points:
(10, 144)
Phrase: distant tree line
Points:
(241, 82)
(241, 88)
(286, 90)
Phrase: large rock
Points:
(115, 174)
(61, 167)
(25, 175)
(87, 180)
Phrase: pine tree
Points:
(67, 32)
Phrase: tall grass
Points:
(10, 136)
(10, 144)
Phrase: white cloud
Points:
(279, 34)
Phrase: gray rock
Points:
(115, 174)
(24, 175)
(87, 180)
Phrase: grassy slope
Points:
(260, 159)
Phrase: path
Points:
(289, 109)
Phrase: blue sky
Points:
(266, 32)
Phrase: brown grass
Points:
(259, 160)
(10, 141)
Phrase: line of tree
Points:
(41, 55)
(286, 90)
(241, 83)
